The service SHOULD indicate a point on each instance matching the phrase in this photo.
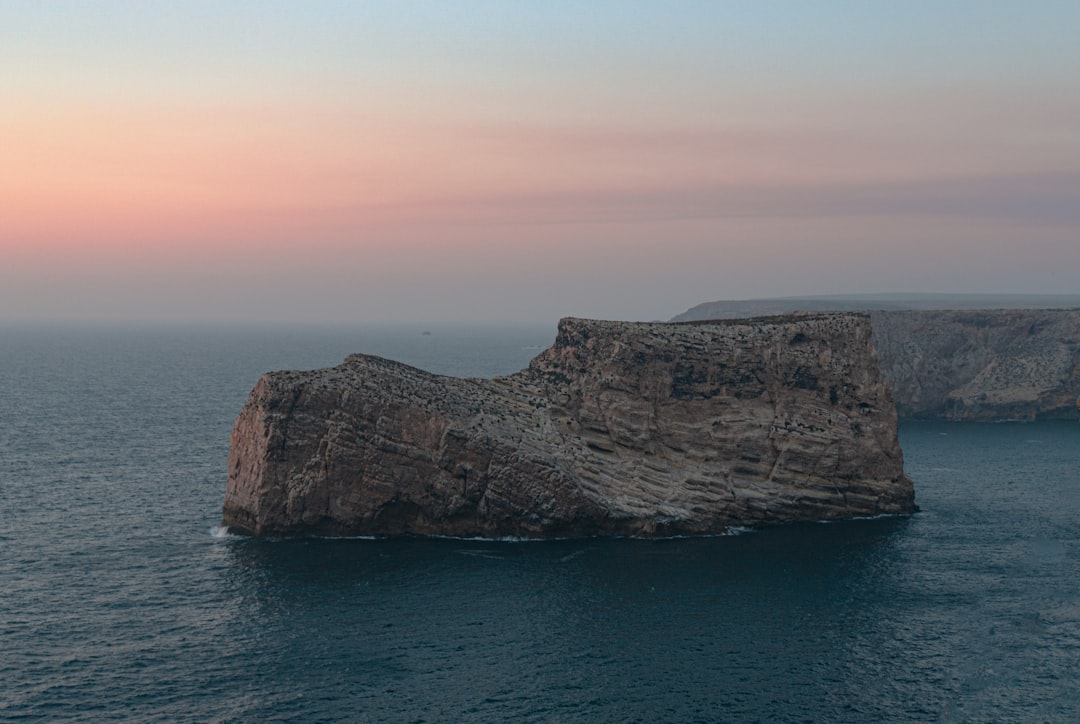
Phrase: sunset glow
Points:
(519, 161)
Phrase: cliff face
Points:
(743, 308)
(619, 428)
(981, 364)
(960, 364)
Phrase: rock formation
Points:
(1004, 364)
(969, 364)
(743, 308)
(619, 428)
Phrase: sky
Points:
(336, 161)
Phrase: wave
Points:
(222, 531)
(876, 516)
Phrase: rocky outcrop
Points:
(960, 364)
(619, 428)
(981, 365)
(743, 308)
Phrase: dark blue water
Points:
(117, 602)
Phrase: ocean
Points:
(121, 599)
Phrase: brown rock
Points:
(619, 428)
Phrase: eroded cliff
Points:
(981, 365)
(618, 428)
(975, 364)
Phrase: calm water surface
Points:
(118, 602)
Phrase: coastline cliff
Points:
(981, 365)
(617, 429)
(975, 365)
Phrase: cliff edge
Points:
(617, 429)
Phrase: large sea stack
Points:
(618, 429)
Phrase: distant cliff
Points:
(744, 308)
(619, 428)
(981, 364)
(972, 364)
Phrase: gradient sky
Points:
(521, 161)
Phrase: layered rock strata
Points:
(617, 429)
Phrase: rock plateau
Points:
(617, 429)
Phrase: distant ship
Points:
(425, 333)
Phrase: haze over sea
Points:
(122, 600)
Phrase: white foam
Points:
(493, 539)
(877, 516)
(729, 531)
(222, 531)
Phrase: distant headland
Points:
(969, 357)
(740, 308)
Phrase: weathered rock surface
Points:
(969, 364)
(743, 308)
(981, 365)
(619, 428)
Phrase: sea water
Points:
(121, 599)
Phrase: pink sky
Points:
(349, 167)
